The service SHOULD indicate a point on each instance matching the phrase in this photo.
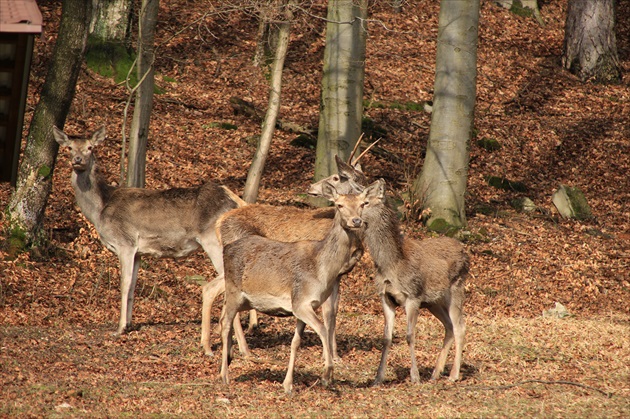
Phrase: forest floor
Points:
(59, 305)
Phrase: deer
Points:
(132, 222)
(288, 224)
(415, 274)
(283, 279)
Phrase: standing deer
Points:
(283, 279)
(410, 273)
(287, 224)
(133, 221)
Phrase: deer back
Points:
(287, 224)
(163, 222)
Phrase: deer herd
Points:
(280, 261)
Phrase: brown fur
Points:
(133, 221)
(280, 278)
(287, 224)
(410, 273)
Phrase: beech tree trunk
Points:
(590, 45)
(441, 186)
(341, 107)
(139, 134)
(110, 20)
(250, 193)
(26, 206)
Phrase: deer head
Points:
(351, 207)
(81, 149)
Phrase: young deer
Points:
(286, 224)
(414, 274)
(133, 221)
(283, 279)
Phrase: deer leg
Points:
(330, 307)
(211, 245)
(389, 310)
(129, 264)
(306, 313)
(209, 293)
(459, 329)
(411, 308)
(440, 311)
(295, 344)
(240, 337)
(228, 314)
(253, 321)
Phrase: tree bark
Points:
(341, 107)
(110, 20)
(590, 45)
(441, 185)
(26, 206)
(139, 134)
(250, 193)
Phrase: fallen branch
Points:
(244, 107)
(567, 383)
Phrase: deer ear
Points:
(329, 192)
(347, 171)
(342, 167)
(353, 174)
(376, 189)
(98, 136)
(60, 137)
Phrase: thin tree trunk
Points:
(441, 185)
(250, 193)
(144, 95)
(590, 45)
(27, 204)
(341, 106)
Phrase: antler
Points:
(352, 162)
(354, 150)
(367, 149)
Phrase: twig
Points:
(562, 382)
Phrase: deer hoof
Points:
(288, 387)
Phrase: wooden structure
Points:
(20, 21)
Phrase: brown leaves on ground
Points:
(58, 308)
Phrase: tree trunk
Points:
(442, 183)
(590, 45)
(144, 95)
(111, 20)
(341, 106)
(267, 37)
(250, 193)
(523, 8)
(25, 211)
(397, 6)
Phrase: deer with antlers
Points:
(287, 224)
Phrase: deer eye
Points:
(340, 206)
(336, 178)
(89, 148)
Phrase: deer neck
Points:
(91, 191)
(337, 249)
(384, 240)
